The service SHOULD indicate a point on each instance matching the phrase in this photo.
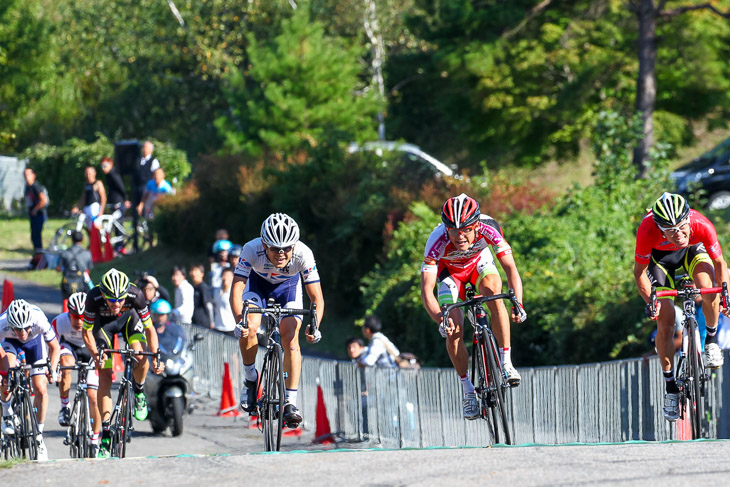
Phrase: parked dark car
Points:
(709, 172)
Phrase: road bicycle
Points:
(78, 434)
(691, 375)
(119, 230)
(23, 442)
(121, 419)
(270, 406)
(487, 373)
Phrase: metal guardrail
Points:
(395, 408)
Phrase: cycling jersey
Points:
(440, 252)
(649, 237)
(253, 258)
(98, 314)
(66, 333)
(39, 327)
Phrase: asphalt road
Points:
(227, 451)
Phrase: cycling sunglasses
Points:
(26, 329)
(113, 300)
(281, 250)
(74, 315)
(465, 230)
(673, 230)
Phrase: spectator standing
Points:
(93, 198)
(233, 255)
(155, 187)
(117, 194)
(184, 297)
(74, 265)
(143, 172)
(381, 352)
(36, 200)
(202, 298)
(224, 320)
(152, 289)
(220, 248)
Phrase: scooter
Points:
(168, 393)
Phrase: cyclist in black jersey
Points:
(116, 306)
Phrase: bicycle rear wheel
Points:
(272, 401)
(497, 386)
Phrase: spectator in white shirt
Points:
(381, 352)
(184, 297)
(224, 320)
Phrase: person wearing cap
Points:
(152, 289)
(169, 333)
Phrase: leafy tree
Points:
(299, 87)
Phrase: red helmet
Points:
(460, 211)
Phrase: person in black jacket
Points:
(75, 264)
(116, 192)
(36, 200)
(203, 302)
(143, 172)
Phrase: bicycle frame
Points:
(272, 370)
(691, 375)
(488, 374)
(78, 434)
(20, 387)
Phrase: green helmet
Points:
(670, 209)
(114, 284)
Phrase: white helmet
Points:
(279, 230)
(77, 303)
(19, 314)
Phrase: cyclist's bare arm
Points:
(428, 282)
(99, 186)
(153, 344)
(314, 291)
(54, 353)
(236, 297)
(514, 281)
(90, 342)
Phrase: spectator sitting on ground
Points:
(224, 320)
(202, 298)
(355, 348)
(184, 297)
(169, 335)
(381, 352)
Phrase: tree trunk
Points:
(646, 82)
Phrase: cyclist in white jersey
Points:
(69, 327)
(274, 266)
(24, 328)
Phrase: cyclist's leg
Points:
(105, 339)
(7, 361)
(92, 386)
(256, 292)
(67, 360)
(699, 266)
(36, 353)
(451, 290)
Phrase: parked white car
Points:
(412, 152)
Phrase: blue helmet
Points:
(222, 245)
(161, 307)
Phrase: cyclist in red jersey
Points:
(457, 253)
(671, 238)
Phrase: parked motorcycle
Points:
(168, 393)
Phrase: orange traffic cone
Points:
(108, 250)
(291, 432)
(228, 403)
(95, 245)
(8, 294)
(322, 432)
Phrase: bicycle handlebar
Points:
(277, 310)
(690, 292)
(445, 309)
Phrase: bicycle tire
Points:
(273, 398)
(61, 240)
(496, 379)
(479, 379)
(72, 431)
(83, 430)
(117, 429)
(29, 426)
(696, 399)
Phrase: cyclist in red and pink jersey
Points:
(672, 238)
(457, 253)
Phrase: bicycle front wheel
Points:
(272, 401)
(497, 386)
(696, 400)
(29, 429)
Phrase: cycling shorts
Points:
(664, 265)
(81, 354)
(36, 352)
(129, 325)
(287, 293)
(452, 281)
